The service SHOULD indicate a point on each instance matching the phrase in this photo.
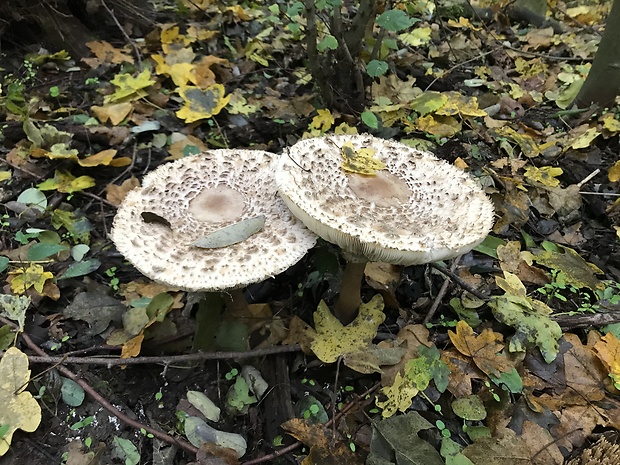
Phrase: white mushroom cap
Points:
(198, 195)
(419, 209)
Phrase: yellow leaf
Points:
(106, 53)
(437, 125)
(4, 175)
(399, 396)
(115, 112)
(511, 284)
(545, 175)
(129, 87)
(102, 158)
(614, 172)
(323, 121)
(202, 104)
(33, 276)
(333, 340)
(459, 104)
(585, 140)
(525, 142)
(19, 409)
(610, 123)
(360, 161)
(66, 182)
(419, 36)
(607, 349)
(180, 73)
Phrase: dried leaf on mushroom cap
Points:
(183, 201)
(418, 209)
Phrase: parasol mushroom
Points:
(210, 222)
(381, 201)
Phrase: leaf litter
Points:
(555, 239)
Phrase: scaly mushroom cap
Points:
(418, 209)
(183, 201)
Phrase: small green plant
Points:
(88, 442)
(54, 91)
(232, 374)
(81, 424)
(147, 434)
(114, 281)
(58, 345)
(91, 81)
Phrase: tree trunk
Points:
(603, 82)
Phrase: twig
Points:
(127, 38)
(333, 420)
(458, 65)
(588, 177)
(163, 360)
(441, 293)
(186, 446)
(459, 281)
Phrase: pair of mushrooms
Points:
(416, 209)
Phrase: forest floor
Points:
(511, 353)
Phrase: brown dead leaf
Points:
(512, 260)
(484, 349)
(116, 135)
(115, 112)
(323, 450)
(106, 53)
(515, 208)
(116, 193)
(299, 332)
(607, 349)
(132, 347)
(384, 278)
(534, 446)
(462, 371)
(412, 336)
(585, 375)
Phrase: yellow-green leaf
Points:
(19, 409)
(33, 276)
(333, 340)
(66, 182)
(547, 175)
(360, 161)
(129, 87)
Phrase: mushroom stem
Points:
(235, 301)
(349, 299)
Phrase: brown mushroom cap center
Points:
(217, 205)
(383, 189)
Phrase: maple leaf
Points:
(129, 87)
(574, 270)
(33, 276)
(332, 339)
(484, 349)
(323, 121)
(608, 351)
(202, 104)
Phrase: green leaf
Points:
(43, 250)
(370, 119)
(4, 263)
(469, 408)
(72, 393)
(328, 42)
(80, 268)
(530, 318)
(376, 68)
(125, 449)
(394, 20)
